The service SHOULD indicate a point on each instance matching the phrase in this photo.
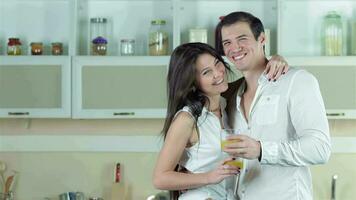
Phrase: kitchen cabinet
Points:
(294, 26)
(337, 82)
(35, 88)
(119, 87)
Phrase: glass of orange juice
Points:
(224, 134)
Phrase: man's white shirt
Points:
(288, 117)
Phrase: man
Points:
(283, 123)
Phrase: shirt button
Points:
(248, 128)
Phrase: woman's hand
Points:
(222, 171)
(275, 67)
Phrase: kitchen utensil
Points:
(13, 182)
(8, 183)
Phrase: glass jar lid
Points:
(333, 14)
(98, 20)
(36, 43)
(14, 41)
(128, 40)
(56, 43)
(158, 22)
(99, 40)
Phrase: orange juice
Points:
(225, 142)
(235, 163)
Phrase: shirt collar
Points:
(262, 80)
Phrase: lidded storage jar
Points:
(57, 48)
(332, 34)
(98, 33)
(99, 46)
(36, 48)
(158, 39)
(14, 47)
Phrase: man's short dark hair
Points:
(255, 24)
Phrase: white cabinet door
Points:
(337, 81)
(35, 87)
(119, 87)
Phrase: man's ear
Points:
(262, 38)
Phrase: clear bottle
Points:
(98, 31)
(158, 39)
(332, 34)
(198, 35)
(127, 47)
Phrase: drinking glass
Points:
(224, 134)
(237, 162)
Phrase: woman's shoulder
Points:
(184, 114)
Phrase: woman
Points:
(195, 116)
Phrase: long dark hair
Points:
(182, 89)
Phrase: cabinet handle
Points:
(124, 113)
(18, 113)
(335, 114)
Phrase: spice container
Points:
(127, 47)
(98, 31)
(332, 37)
(57, 48)
(198, 35)
(14, 47)
(158, 39)
(99, 46)
(36, 48)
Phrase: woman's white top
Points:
(206, 155)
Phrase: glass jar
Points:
(127, 47)
(332, 34)
(198, 35)
(99, 46)
(158, 39)
(98, 30)
(14, 47)
(36, 48)
(57, 48)
(353, 38)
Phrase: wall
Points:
(47, 174)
